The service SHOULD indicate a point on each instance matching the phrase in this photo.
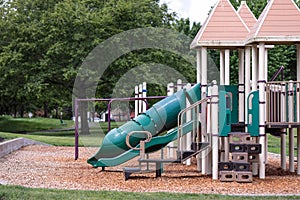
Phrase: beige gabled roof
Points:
(223, 28)
(278, 23)
(247, 15)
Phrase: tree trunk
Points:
(22, 111)
(83, 118)
(45, 109)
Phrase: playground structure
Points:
(225, 126)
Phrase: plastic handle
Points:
(148, 139)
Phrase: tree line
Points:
(44, 43)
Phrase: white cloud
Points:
(196, 10)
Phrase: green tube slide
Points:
(160, 117)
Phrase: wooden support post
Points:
(291, 130)
(215, 130)
(241, 85)
(262, 110)
(203, 91)
(254, 67)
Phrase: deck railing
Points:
(283, 103)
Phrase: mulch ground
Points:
(55, 167)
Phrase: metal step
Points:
(275, 131)
(184, 155)
(130, 170)
(238, 127)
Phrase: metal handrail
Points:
(280, 70)
(181, 115)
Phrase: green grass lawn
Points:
(51, 131)
(27, 125)
(274, 143)
(17, 192)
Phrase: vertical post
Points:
(241, 85)
(140, 96)
(222, 67)
(298, 108)
(262, 110)
(254, 67)
(291, 130)
(188, 135)
(170, 92)
(144, 95)
(266, 79)
(136, 102)
(204, 92)
(266, 64)
(298, 62)
(206, 129)
(215, 130)
(225, 140)
(298, 150)
(198, 66)
(227, 67)
(203, 69)
(199, 80)
(247, 78)
(76, 130)
(183, 139)
(283, 135)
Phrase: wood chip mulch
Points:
(55, 167)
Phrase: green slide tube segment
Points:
(155, 144)
(160, 117)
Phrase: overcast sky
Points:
(196, 10)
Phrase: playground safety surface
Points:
(55, 167)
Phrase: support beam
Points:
(227, 67)
(203, 91)
(222, 67)
(136, 102)
(241, 85)
(262, 111)
(144, 94)
(204, 69)
(188, 135)
(170, 91)
(298, 62)
(247, 78)
(266, 64)
(291, 130)
(215, 131)
(198, 157)
(298, 151)
(254, 67)
(140, 96)
(298, 108)
(198, 65)
(284, 119)
(225, 141)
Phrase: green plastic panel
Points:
(253, 111)
(224, 114)
(233, 92)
